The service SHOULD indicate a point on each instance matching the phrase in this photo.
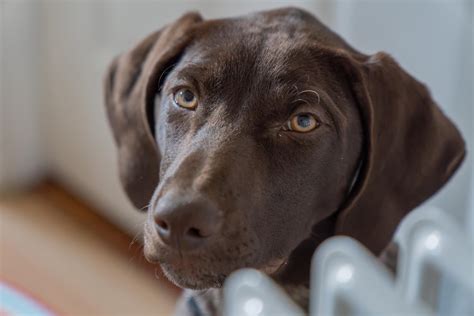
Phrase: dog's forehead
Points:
(279, 29)
(257, 38)
(270, 45)
(238, 53)
(247, 56)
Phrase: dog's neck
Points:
(295, 277)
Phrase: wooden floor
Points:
(75, 262)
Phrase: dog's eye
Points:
(302, 123)
(185, 98)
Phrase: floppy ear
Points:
(411, 149)
(131, 84)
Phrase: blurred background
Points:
(67, 230)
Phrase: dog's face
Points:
(272, 139)
(241, 134)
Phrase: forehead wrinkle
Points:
(313, 93)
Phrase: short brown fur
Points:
(279, 194)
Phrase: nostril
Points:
(195, 232)
(161, 223)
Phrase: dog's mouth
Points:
(210, 267)
(200, 274)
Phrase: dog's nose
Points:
(186, 222)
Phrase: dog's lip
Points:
(186, 259)
(275, 266)
(158, 253)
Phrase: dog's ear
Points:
(411, 148)
(131, 84)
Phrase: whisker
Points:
(136, 253)
(134, 240)
(300, 100)
(137, 235)
(157, 275)
(165, 71)
(311, 91)
(145, 207)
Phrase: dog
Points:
(251, 140)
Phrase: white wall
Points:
(20, 145)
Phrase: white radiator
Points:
(435, 276)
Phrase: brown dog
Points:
(250, 140)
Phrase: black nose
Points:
(186, 221)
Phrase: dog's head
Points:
(240, 135)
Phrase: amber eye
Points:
(185, 98)
(303, 123)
